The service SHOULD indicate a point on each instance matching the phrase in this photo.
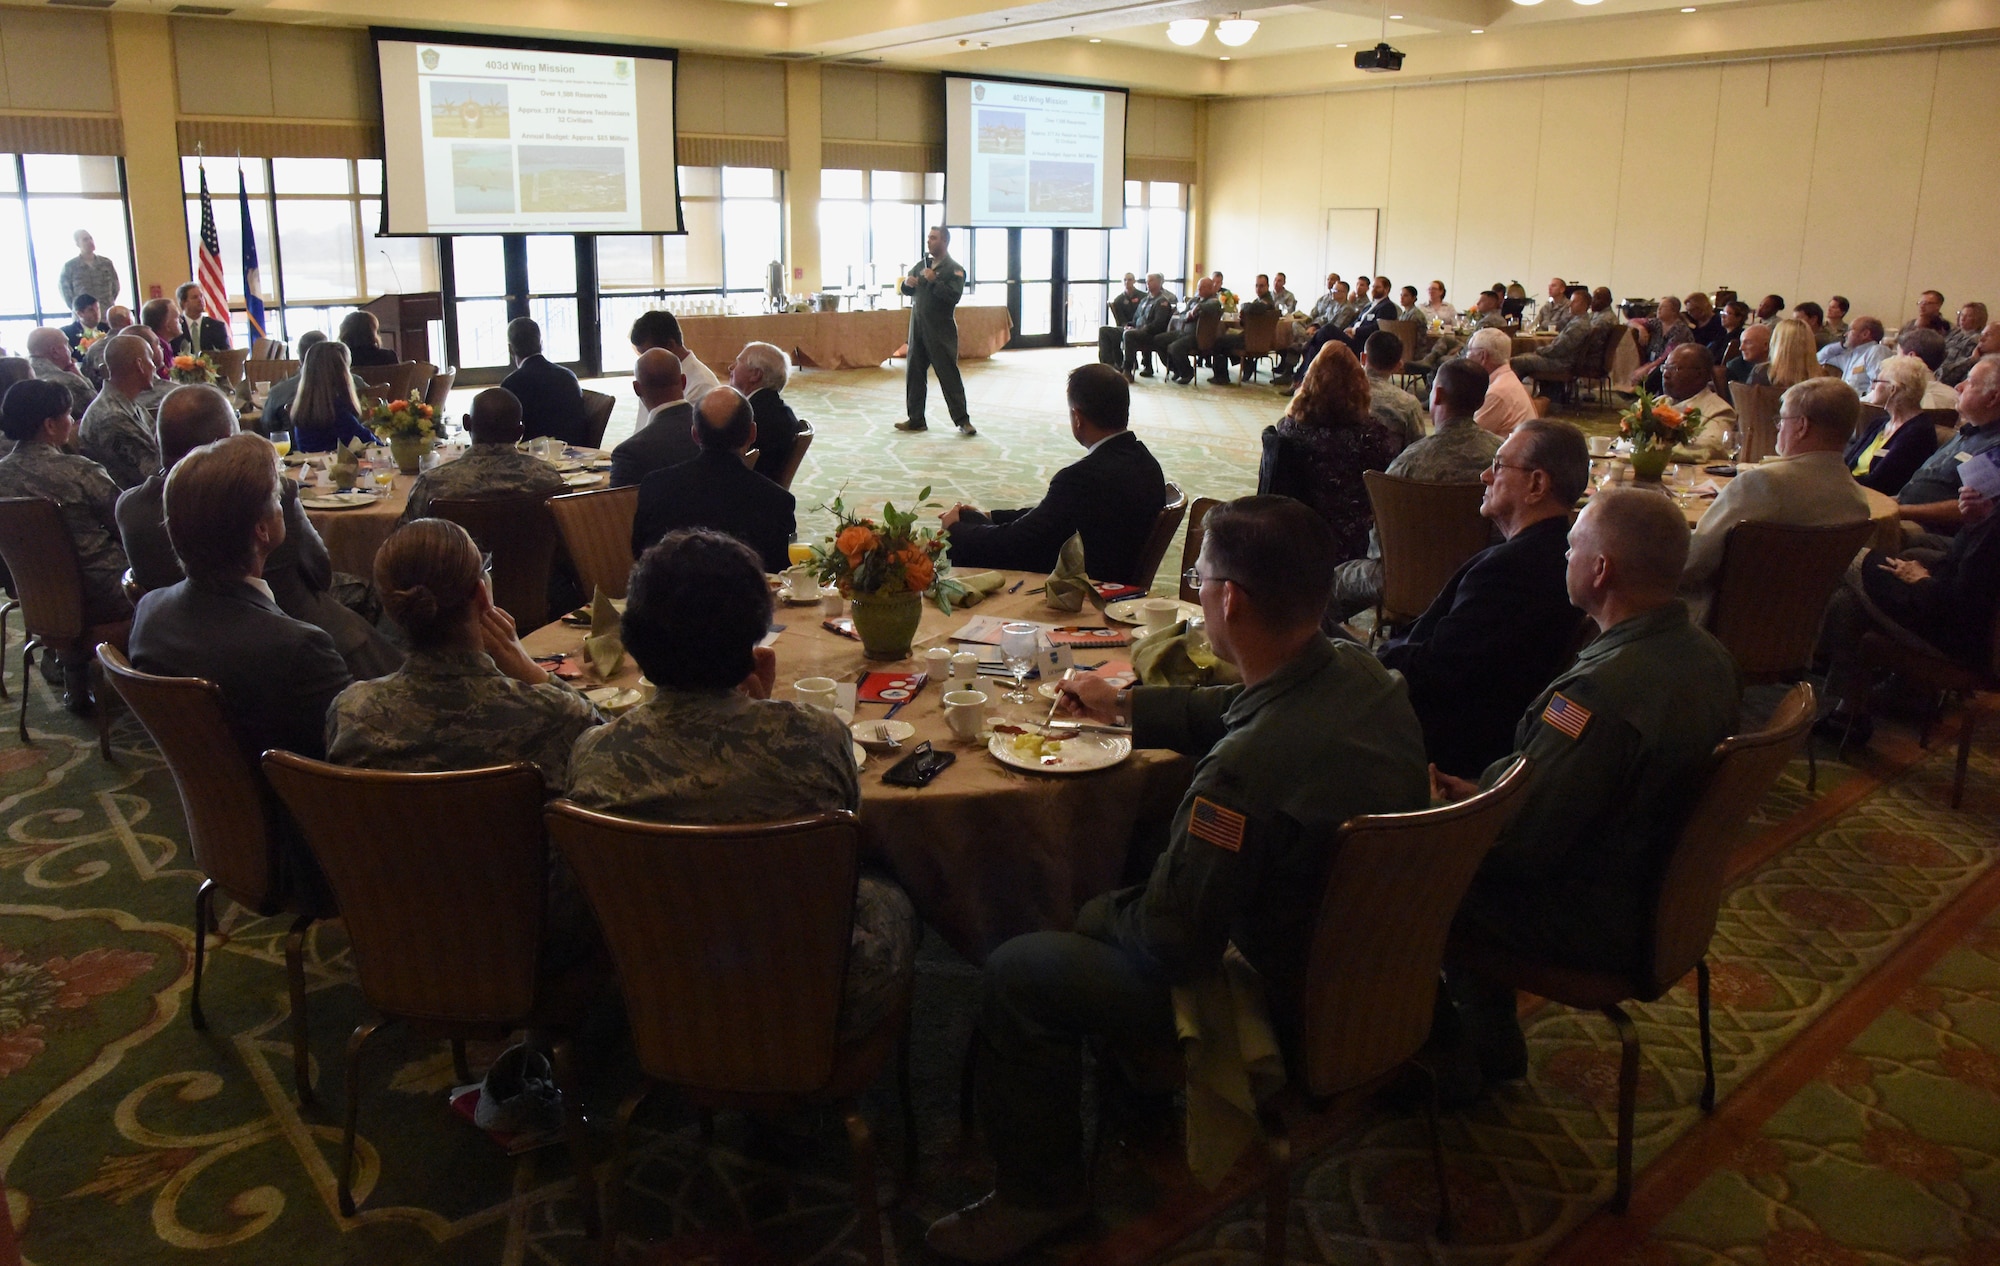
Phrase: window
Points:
(315, 221)
(872, 226)
(735, 228)
(1154, 239)
(44, 200)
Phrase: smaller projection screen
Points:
(1033, 155)
(486, 134)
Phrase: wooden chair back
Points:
(596, 528)
(41, 558)
(223, 796)
(1393, 886)
(1404, 330)
(730, 941)
(1197, 521)
(597, 408)
(229, 362)
(1260, 333)
(268, 349)
(1427, 531)
(1772, 589)
(798, 456)
(1207, 328)
(521, 535)
(441, 879)
(392, 382)
(1943, 421)
(1165, 525)
(1756, 420)
(256, 371)
(1744, 768)
(437, 393)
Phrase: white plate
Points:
(866, 732)
(1126, 611)
(583, 479)
(1080, 754)
(860, 756)
(615, 699)
(338, 501)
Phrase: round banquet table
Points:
(354, 535)
(986, 852)
(1682, 476)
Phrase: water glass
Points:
(1018, 643)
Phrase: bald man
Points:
(492, 467)
(49, 355)
(665, 437)
(1621, 746)
(716, 490)
(116, 431)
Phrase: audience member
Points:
(116, 432)
(325, 411)
(1123, 307)
(1436, 309)
(1507, 403)
(1929, 500)
(1621, 744)
(1603, 311)
(1965, 335)
(1771, 310)
(1930, 314)
(1287, 301)
(1149, 328)
(1556, 311)
(1182, 339)
(1808, 486)
(760, 372)
(88, 321)
(1664, 333)
(1734, 319)
(161, 321)
(716, 490)
(1392, 406)
(712, 746)
(1559, 357)
(1502, 627)
(469, 695)
(1406, 306)
(1753, 355)
(1857, 357)
(1112, 495)
(492, 467)
(117, 319)
(36, 416)
(666, 435)
(1319, 449)
(551, 400)
(200, 333)
(1956, 368)
(277, 411)
(1698, 310)
(361, 334)
(1928, 347)
(1245, 864)
(1836, 317)
(661, 328)
(49, 357)
(1688, 381)
(1793, 357)
(88, 273)
(1895, 441)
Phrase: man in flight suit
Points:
(934, 291)
(1317, 733)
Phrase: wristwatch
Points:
(1122, 707)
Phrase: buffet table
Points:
(837, 340)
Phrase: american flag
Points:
(1219, 826)
(1567, 716)
(208, 265)
(253, 306)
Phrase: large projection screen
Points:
(1033, 155)
(486, 134)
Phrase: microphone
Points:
(383, 251)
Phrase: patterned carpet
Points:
(1857, 1026)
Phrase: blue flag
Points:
(253, 306)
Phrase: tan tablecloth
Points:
(837, 340)
(986, 852)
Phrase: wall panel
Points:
(1663, 182)
(1764, 143)
(1956, 247)
(1420, 222)
(1576, 176)
(1495, 175)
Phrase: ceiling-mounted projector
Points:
(1379, 58)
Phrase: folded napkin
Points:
(1067, 586)
(1170, 657)
(1233, 1062)
(978, 586)
(605, 647)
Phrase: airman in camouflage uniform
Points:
(89, 501)
(117, 433)
(486, 471)
(721, 757)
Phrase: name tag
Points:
(1961, 457)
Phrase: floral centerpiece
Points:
(197, 369)
(886, 567)
(90, 339)
(410, 426)
(1655, 427)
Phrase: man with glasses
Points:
(1317, 733)
(1809, 486)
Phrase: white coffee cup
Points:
(1157, 613)
(1600, 445)
(819, 692)
(803, 586)
(965, 666)
(937, 662)
(965, 713)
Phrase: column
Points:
(802, 146)
(142, 62)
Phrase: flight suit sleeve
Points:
(1577, 776)
(1184, 719)
(950, 285)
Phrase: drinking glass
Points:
(797, 552)
(1018, 644)
(282, 441)
(385, 477)
(1732, 443)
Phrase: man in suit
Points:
(1753, 348)
(1502, 627)
(1112, 496)
(716, 490)
(199, 332)
(89, 320)
(1124, 306)
(1183, 339)
(1149, 328)
(1381, 307)
(665, 438)
(760, 373)
(935, 287)
(551, 402)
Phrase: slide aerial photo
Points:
(572, 178)
(482, 179)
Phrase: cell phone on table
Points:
(919, 767)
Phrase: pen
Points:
(1017, 586)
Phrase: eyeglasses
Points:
(1499, 466)
(1191, 578)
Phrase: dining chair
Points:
(798, 456)
(1427, 531)
(229, 362)
(520, 534)
(596, 529)
(731, 944)
(437, 392)
(1682, 914)
(1371, 980)
(1165, 524)
(267, 349)
(1260, 337)
(256, 370)
(1197, 521)
(442, 881)
(48, 589)
(1207, 329)
(1930, 671)
(597, 408)
(1943, 421)
(1756, 421)
(1599, 362)
(237, 830)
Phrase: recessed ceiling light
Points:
(1479, 30)
(1527, 2)
(1223, 59)
(1395, 17)
(1590, 2)
(1095, 40)
(1340, 46)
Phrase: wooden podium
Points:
(403, 318)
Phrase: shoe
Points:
(966, 428)
(1147, 372)
(1219, 380)
(1128, 376)
(79, 703)
(75, 680)
(1844, 729)
(991, 1230)
(907, 425)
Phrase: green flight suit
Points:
(1282, 764)
(934, 338)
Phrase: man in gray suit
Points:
(665, 438)
(1149, 328)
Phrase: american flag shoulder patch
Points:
(1566, 715)
(1219, 826)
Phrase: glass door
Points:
(1034, 292)
(476, 277)
(552, 296)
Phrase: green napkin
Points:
(978, 586)
(1068, 585)
(605, 647)
(1170, 658)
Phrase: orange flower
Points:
(184, 362)
(855, 542)
(918, 569)
(1667, 414)
(398, 406)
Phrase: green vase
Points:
(408, 450)
(886, 625)
(1649, 463)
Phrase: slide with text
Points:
(1037, 154)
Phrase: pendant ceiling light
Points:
(1186, 31)
(1235, 30)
